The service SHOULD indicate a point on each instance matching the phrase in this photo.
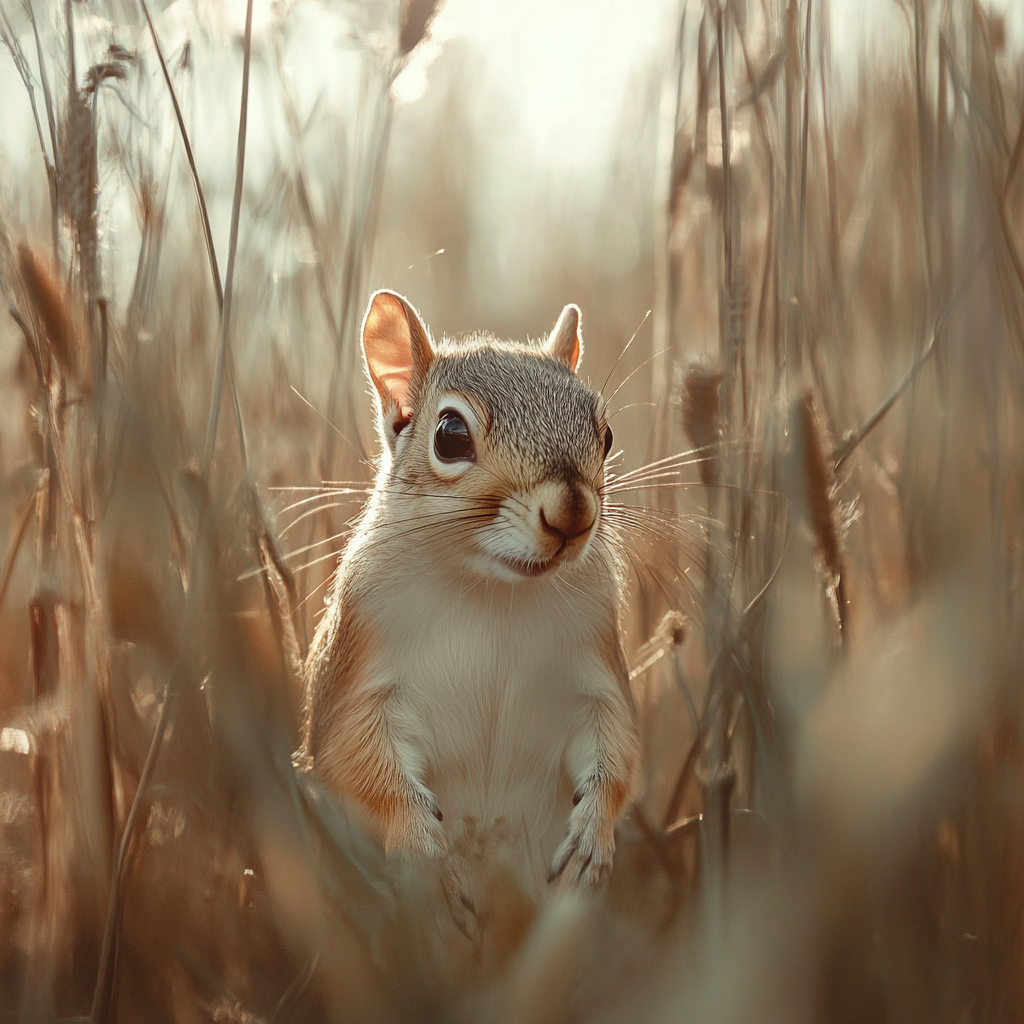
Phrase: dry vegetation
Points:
(828, 432)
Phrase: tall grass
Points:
(822, 499)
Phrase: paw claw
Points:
(585, 856)
(417, 828)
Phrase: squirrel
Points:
(468, 677)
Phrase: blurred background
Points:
(795, 231)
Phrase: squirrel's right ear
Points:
(565, 341)
(398, 354)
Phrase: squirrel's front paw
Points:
(585, 855)
(416, 826)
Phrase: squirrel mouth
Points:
(528, 567)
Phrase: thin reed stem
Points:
(197, 184)
(104, 994)
(236, 207)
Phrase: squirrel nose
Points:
(569, 519)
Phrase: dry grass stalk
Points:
(223, 351)
(134, 604)
(197, 184)
(700, 400)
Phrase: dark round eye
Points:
(608, 438)
(452, 441)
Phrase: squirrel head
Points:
(493, 449)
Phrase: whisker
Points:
(446, 514)
(449, 533)
(632, 405)
(308, 513)
(674, 466)
(652, 532)
(317, 561)
(450, 496)
(645, 514)
(324, 485)
(388, 531)
(359, 454)
(685, 485)
(320, 586)
(693, 456)
(671, 515)
(380, 539)
(644, 568)
(639, 482)
(316, 497)
(673, 532)
(622, 353)
(249, 574)
(631, 375)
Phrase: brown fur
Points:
(408, 682)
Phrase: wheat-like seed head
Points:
(51, 311)
(818, 485)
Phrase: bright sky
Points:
(562, 66)
(566, 63)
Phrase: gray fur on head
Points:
(536, 409)
(535, 405)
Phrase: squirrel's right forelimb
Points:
(602, 760)
(361, 756)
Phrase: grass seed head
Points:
(817, 483)
(78, 164)
(51, 311)
(416, 18)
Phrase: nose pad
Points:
(570, 518)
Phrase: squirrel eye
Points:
(452, 441)
(608, 437)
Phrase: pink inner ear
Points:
(387, 341)
(564, 342)
(397, 385)
(573, 357)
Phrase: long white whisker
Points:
(292, 554)
(691, 457)
(322, 496)
(324, 485)
(361, 455)
(623, 352)
(631, 375)
(308, 513)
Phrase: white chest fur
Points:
(487, 684)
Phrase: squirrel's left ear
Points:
(398, 355)
(565, 341)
